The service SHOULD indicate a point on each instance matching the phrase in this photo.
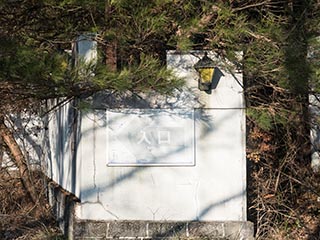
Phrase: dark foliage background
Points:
(280, 48)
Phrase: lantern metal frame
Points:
(205, 63)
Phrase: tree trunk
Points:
(111, 44)
(19, 160)
(299, 73)
(111, 55)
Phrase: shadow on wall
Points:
(69, 130)
(200, 117)
(69, 124)
(178, 228)
(29, 135)
(59, 144)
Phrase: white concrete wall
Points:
(29, 133)
(85, 48)
(315, 132)
(212, 189)
(208, 185)
(60, 145)
(63, 123)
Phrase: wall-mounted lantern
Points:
(205, 67)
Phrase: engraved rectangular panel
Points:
(150, 137)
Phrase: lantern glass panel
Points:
(206, 75)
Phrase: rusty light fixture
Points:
(205, 68)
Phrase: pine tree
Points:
(274, 36)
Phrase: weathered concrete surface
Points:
(210, 186)
(315, 132)
(159, 201)
(230, 230)
(65, 206)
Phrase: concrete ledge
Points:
(63, 204)
(230, 230)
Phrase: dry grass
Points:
(283, 192)
(19, 218)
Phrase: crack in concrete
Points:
(104, 208)
(153, 213)
(94, 154)
(196, 198)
